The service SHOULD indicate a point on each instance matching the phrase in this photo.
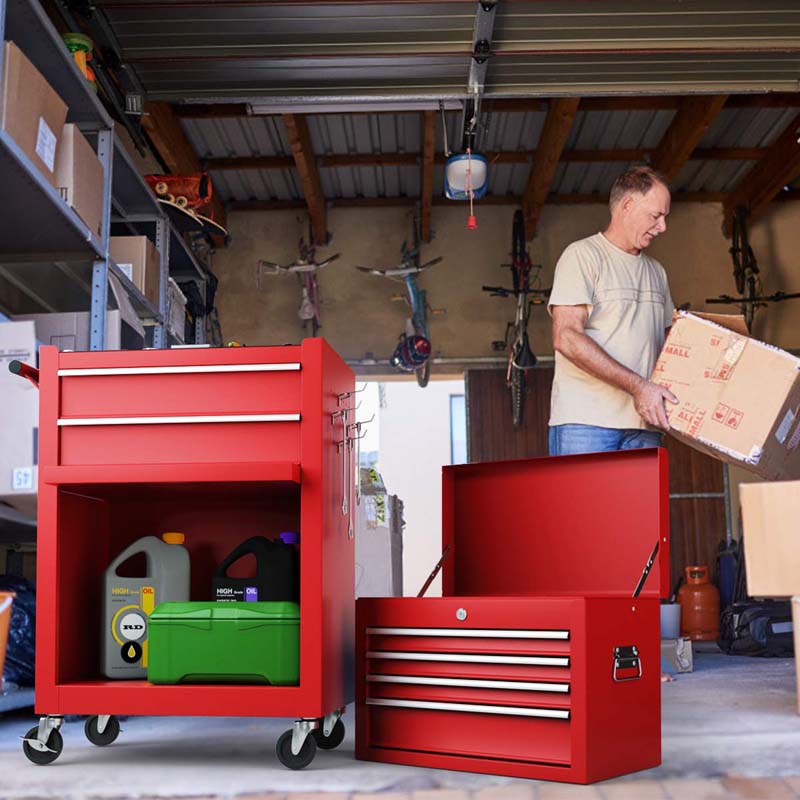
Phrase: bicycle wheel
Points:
(423, 374)
(517, 395)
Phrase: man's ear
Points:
(626, 203)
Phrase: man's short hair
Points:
(635, 179)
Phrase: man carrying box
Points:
(611, 311)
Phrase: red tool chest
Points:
(537, 662)
(221, 444)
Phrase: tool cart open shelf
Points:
(222, 445)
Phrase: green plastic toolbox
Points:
(224, 643)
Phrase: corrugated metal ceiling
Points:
(184, 51)
(508, 132)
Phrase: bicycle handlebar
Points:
(500, 290)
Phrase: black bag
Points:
(20, 651)
(757, 628)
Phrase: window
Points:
(458, 429)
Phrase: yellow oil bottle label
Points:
(148, 599)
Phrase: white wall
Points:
(414, 428)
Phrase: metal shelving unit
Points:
(49, 260)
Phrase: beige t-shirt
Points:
(629, 309)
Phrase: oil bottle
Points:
(127, 602)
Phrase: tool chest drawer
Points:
(481, 731)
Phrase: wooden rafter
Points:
(779, 167)
(495, 157)
(175, 149)
(557, 126)
(687, 128)
(426, 180)
(490, 199)
(306, 166)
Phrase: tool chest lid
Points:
(579, 525)
(227, 611)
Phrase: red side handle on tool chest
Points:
(25, 371)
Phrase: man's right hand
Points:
(648, 399)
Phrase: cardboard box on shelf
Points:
(79, 177)
(379, 539)
(31, 112)
(138, 258)
(72, 330)
(19, 429)
(739, 398)
(678, 654)
(176, 310)
(770, 514)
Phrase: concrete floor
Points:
(730, 729)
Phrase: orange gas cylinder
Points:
(699, 602)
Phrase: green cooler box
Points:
(224, 643)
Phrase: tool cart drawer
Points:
(190, 407)
(180, 389)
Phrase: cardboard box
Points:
(739, 398)
(138, 258)
(31, 112)
(72, 330)
(176, 310)
(678, 654)
(79, 177)
(379, 539)
(19, 431)
(771, 534)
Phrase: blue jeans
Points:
(565, 440)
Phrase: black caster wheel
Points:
(42, 757)
(109, 735)
(302, 759)
(329, 742)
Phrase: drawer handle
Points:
(512, 711)
(180, 419)
(542, 661)
(85, 373)
(521, 686)
(475, 633)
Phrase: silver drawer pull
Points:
(522, 686)
(541, 661)
(470, 632)
(512, 711)
(85, 373)
(196, 420)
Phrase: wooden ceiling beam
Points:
(334, 160)
(779, 167)
(426, 179)
(687, 128)
(549, 149)
(175, 150)
(490, 199)
(306, 166)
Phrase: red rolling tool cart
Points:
(538, 661)
(221, 444)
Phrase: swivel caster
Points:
(292, 760)
(334, 738)
(101, 730)
(43, 744)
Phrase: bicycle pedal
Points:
(498, 346)
(438, 312)
(397, 298)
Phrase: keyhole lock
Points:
(461, 614)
